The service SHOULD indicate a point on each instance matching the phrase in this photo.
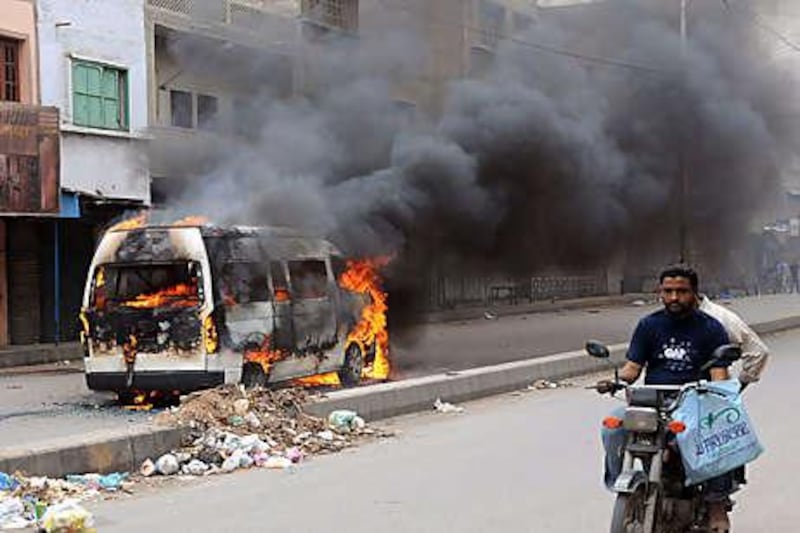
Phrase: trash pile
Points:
(229, 428)
(53, 505)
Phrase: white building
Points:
(93, 68)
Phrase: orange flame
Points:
(263, 355)
(181, 295)
(331, 379)
(362, 277)
(145, 400)
(132, 223)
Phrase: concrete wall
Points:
(448, 32)
(18, 21)
(97, 162)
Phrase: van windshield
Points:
(148, 286)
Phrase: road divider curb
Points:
(94, 452)
(413, 395)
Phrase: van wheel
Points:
(253, 376)
(126, 397)
(350, 373)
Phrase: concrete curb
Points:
(101, 453)
(776, 326)
(408, 396)
(97, 453)
(413, 395)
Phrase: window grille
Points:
(340, 14)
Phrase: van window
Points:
(148, 286)
(339, 266)
(309, 278)
(242, 283)
(280, 286)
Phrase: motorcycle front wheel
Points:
(629, 513)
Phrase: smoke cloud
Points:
(544, 161)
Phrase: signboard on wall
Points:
(29, 160)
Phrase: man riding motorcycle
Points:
(671, 345)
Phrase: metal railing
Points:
(339, 14)
(447, 292)
(244, 14)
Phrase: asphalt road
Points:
(460, 345)
(528, 463)
(39, 407)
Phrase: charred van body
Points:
(186, 307)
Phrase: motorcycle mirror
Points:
(597, 349)
(727, 353)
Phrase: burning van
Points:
(182, 307)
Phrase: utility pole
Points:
(684, 165)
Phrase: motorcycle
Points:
(651, 493)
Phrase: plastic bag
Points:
(7, 482)
(12, 514)
(345, 421)
(719, 435)
(67, 517)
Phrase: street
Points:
(38, 407)
(528, 462)
(396, 205)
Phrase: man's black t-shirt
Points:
(674, 348)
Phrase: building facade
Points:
(30, 204)
(92, 68)
(205, 59)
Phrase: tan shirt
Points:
(754, 351)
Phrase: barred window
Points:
(9, 70)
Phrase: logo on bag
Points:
(730, 414)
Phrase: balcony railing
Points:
(241, 14)
(336, 14)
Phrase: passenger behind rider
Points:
(671, 345)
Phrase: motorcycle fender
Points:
(629, 482)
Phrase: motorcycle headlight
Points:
(642, 419)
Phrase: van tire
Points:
(253, 376)
(126, 397)
(350, 373)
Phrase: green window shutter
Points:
(80, 111)
(79, 78)
(111, 114)
(98, 93)
(95, 111)
(110, 84)
(93, 78)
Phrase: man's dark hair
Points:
(680, 271)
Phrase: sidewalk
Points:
(51, 424)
